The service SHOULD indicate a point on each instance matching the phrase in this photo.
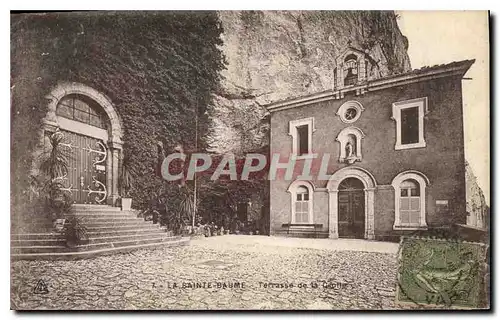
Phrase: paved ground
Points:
(224, 272)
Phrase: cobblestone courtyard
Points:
(224, 272)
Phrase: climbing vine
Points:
(158, 68)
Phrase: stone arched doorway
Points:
(92, 134)
(339, 182)
(351, 208)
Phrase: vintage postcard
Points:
(250, 160)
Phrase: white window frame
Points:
(421, 104)
(293, 124)
(293, 199)
(423, 182)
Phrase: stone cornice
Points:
(423, 74)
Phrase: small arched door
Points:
(351, 209)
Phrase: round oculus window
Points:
(350, 114)
(350, 111)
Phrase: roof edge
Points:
(417, 75)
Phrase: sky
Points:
(437, 37)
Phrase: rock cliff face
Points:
(274, 55)
(477, 209)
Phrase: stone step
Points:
(93, 208)
(61, 241)
(37, 242)
(124, 243)
(95, 232)
(102, 215)
(39, 249)
(112, 233)
(34, 236)
(36, 221)
(118, 238)
(33, 222)
(118, 223)
(107, 228)
(91, 223)
(90, 246)
(83, 215)
(33, 230)
(92, 253)
(99, 218)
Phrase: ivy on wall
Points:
(158, 68)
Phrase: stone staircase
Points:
(108, 230)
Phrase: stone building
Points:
(386, 153)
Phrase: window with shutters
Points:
(301, 131)
(410, 200)
(302, 205)
(409, 117)
(409, 203)
(301, 193)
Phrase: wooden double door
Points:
(85, 181)
(351, 209)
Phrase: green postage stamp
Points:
(439, 273)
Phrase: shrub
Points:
(75, 232)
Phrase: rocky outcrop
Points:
(274, 55)
(477, 208)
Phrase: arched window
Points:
(350, 70)
(410, 203)
(350, 184)
(301, 193)
(81, 109)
